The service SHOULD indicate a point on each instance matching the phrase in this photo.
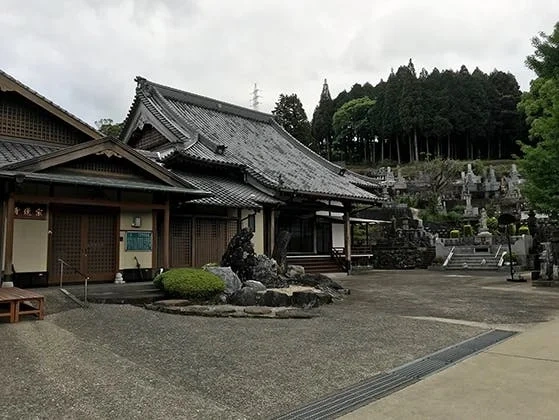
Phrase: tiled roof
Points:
(14, 150)
(253, 141)
(120, 183)
(226, 192)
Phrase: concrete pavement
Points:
(516, 379)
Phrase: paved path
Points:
(121, 361)
(516, 379)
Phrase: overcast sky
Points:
(84, 54)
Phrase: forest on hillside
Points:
(411, 117)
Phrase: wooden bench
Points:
(18, 302)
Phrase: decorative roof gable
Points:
(107, 147)
(10, 84)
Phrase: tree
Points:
(545, 60)
(541, 108)
(321, 126)
(411, 107)
(353, 130)
(290, 115)
(108, 127)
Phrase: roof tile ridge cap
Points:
(262, 116)
(310, 153)
(128, 120)
(44, 98)
(178, 122)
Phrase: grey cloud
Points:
(84, 54)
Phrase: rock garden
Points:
(245, 285)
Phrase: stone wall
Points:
(402, 258)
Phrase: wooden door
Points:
(211, 237)
(86, 241)
(181, 242)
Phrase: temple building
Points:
(186, 174)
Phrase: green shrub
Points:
(492, 224)
(438, 261)
(468, 230)
(190, 283)
(158, 281)
(454, 233)
(523, 230)
(508, 257)
(512, 229)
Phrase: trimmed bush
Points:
(438, 261)
(468, 230)
(512, 229)
(454, 233)
(507, 258)
(492, 224)
(523, 230)
(189, 283)
(158, 281)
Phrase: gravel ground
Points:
(122, 361)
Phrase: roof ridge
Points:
(38, 95)
(206, 101)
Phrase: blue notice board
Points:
(138, 240)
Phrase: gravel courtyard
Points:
(121, 361)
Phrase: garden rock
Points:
(240, 255)
(294, 271)
(231, 280)
(247, 296)
(274, 298)
(254, 285)
(316, 280)
(266, 272)
(305, 299)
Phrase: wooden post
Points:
(9, 253)
(347, 236)
(166, 233)
(272, 228)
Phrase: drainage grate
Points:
(386, 383)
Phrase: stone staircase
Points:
(315, 264)
(473, 261)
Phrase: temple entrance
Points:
(85, 239)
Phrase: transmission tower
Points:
(255, 102)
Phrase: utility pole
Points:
(255, 101)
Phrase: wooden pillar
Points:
(272, 228)
(9, 240)
(347, 236)
(166, 233)
(154, 245)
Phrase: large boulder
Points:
(274, 298)
(294, 271)
(240, 255)
(231, 280)
(247, 296)
(316, 280)
(266, 272)
(255, 285)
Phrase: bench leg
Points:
(41, 309)
(12, 312)
(15, 311)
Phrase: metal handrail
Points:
(85, 277)
(502, 259)
(338, 258)
(498, 250)
(450, 254)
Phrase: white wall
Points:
(338, 237)
(258, 239)
(127, 257)
(30, 252)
